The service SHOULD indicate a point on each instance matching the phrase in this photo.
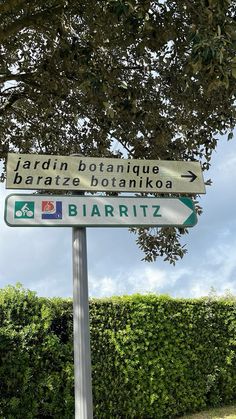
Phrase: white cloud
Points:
(218, 270)
(143, 280)
(153, 279)
(226, 167)
(214, 269)
(105, 286)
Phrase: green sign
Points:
(98, 211)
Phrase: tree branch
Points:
(122, 143)
(27, 21)
(16, 77)
(11, 6)
(12, 99)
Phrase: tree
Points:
(137, 78)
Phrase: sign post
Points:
(82, 355)
(81, 332)
(78, 173)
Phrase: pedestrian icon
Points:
(24, 209)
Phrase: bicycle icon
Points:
(24, 212)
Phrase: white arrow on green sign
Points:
(98, 211)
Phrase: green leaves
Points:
(36, 368)
(166, 356)
(163, 242)
(152, 356)
(234, 67)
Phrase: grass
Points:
(228, 412)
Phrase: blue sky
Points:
(41, 258)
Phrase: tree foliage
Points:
(152, 356)
(140, 79)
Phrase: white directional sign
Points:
(96, 211)
(47, 172)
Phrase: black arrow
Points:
(191, 176)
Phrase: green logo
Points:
(24, 209)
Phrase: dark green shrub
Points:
(36, 361)
(152, 357)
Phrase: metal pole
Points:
(82, 354)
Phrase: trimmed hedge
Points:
(152, 357)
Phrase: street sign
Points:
(48, 172)
(98, 211)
